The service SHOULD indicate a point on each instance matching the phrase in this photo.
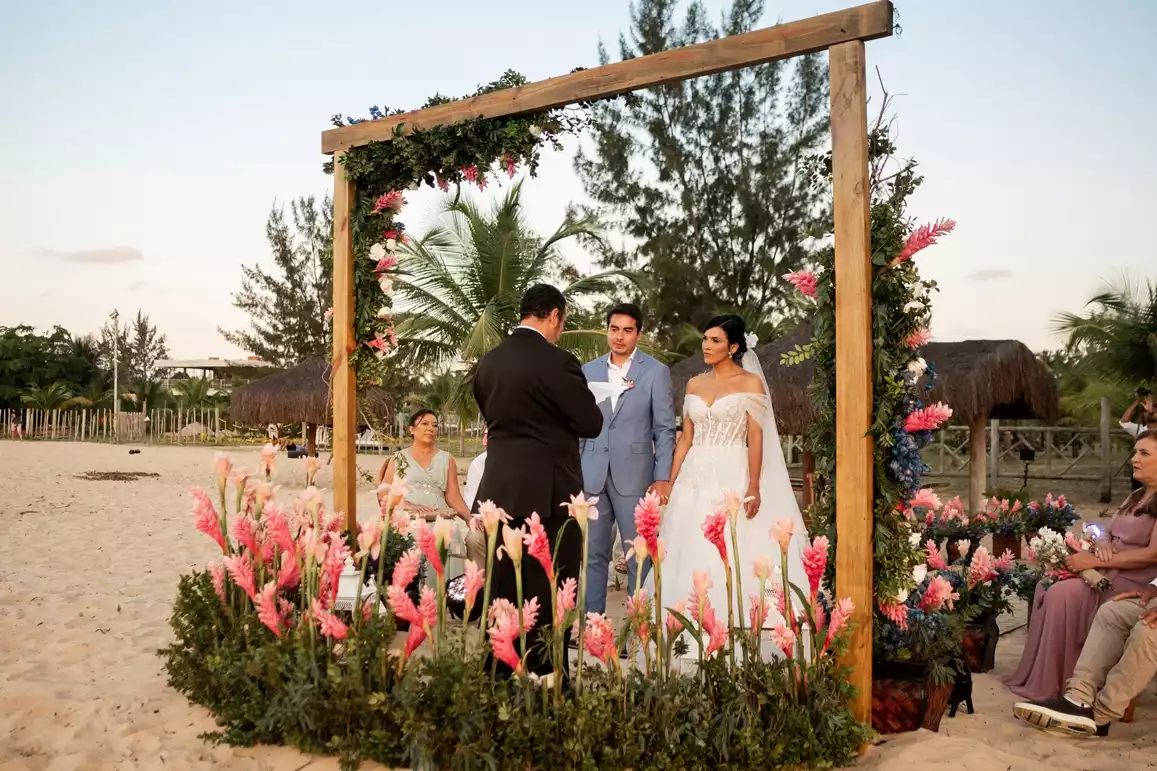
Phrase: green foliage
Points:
(34, 362)
(136, 346)
(1117, 338)
(704, 176)
(56, 396)
(287, 306)
(198, 392)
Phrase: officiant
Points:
(537, 408)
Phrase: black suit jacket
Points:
(537, 407)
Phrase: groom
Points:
(632, 454)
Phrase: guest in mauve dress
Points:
(1063, 614)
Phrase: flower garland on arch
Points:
(442, 157)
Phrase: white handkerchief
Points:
(602, 390)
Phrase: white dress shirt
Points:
(617, 378)
(474, 478)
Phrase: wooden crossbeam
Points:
(863, 22)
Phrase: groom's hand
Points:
(661, 489)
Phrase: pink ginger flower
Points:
(389, 262)
(491, 517)
(402, 606)
(933, 557)
(805, 281)
(277, 529)
(1004, 561)
(241, 571)
(208, 522)
(393, 200)
(918, 339)
(714, 528)
(379, 344)
(503, 631)
(538, 545)
(781, 531)
(925, 498)
(762, 567)
(648, 517)
(511, 165)
(475, 578)
(369, 540)
(897, 612)
(757, 612)
(267, 612)
(286, 609)
(1015, 507)
(840, 615)
(928, 419)
(599, 637)
(938, 594)
(815, 562)
(511, 545)
(565, 601)
(428, 543)
(776, 591)
(674, 625)
(923, 237)
(289, 575)
(331, 626)
(482, 182)
(245, 534)
(1074, 543)
(328, 315)
(217, 573)
(716, 631)
(443, 185)
(222, 465)
(268, 457)
(499, 606)
(700, 585)
(982, 568)
(582, 509)
(784, 639)
(470, 173)
(331, 570)
(639, 611)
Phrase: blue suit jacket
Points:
(637, 443)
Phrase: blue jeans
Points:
(614, 508)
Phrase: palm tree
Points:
(197, 392)
(57, 396)
(461, 284)
(96, 393)
(148, 393)
(1117, 338)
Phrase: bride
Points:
(729, 444)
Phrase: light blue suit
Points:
(635, 448)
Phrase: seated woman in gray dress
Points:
(431, 475)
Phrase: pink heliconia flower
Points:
(285, 607)
(402, 606)
(470, 173)
(379, 343)
(701, 584)
(244, 532)
(428, 543)
(840, 615)
(277, 528)
(599, 637)
(758, 611)
(482, 182)
(716, 630)
(648, 517)
(475, 578)
(217, 574)
(331, 570)
(933, 557)
(781, 531)
(820, 615)
(331, 626)
(503, 631)
(925, 498)
(406, 568)
(923, 237)
(208, 522)
(639, 611)
(582, 509)
(538, 545)
(762, 567)
(267, 612)
(393, 200)
(674, 625)
(428, 610)
(241, 571)
(511, 165)
(400, 522)
(918, 339)
(389, 262)
(289, 575)
(565, 601)
(938, 594)
(805, 281)
(776, 591)
(928, 419)
(222, 465)
(815, 562)
(491, 516)
(784, 639)
(981, 568)
(499, 606)
(897, 612)
(1004, 561)
(443, 185)
(714, 529)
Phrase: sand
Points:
(87, 574)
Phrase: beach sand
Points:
(87, 574)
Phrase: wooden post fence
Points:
(1106, 469)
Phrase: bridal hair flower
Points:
(751, 339)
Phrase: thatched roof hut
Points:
(979, 379)
(300, 395)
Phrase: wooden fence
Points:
(163, 426)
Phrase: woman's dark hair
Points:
(540, 300)
(421, 414)
(1146, 434)
(734, 328)
(627, 309)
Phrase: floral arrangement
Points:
(261, 640)
(1056, 514)
(1050, 551)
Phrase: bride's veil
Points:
(778, 499)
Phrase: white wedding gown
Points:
(717, 463)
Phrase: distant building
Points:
(222, 371)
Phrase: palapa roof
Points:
(300, 395)
(978, 378)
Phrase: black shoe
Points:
(1060, 716)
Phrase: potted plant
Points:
(986, 586)
(1007, 527)
(1054, 513)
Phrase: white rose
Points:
(913, 539)
(386, 284)
(535, 131)
(385, 313)
(902, 597)
(919, 573)
(917, 366)
(391, 245)
(377, 251)
(914, 306)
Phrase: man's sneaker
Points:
(1060, 716)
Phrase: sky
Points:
(142, 144)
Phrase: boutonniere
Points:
(628, 385)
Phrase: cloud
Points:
(113, 256)
(136, 286)
(990, 274)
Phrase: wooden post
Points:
(342, 378)
(853, 284)
(809, 471)
(977, 458)
(1106, 440)
(993, 454)
(311, 440)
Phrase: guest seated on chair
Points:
(432, 478)
(1063, 614)
(1118, 661)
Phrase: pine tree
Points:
(704, 177)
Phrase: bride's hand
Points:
(751, 507)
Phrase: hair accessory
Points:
(751, 339)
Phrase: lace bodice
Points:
(723, 423)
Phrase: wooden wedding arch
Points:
(843, 33)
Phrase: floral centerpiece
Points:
(1050, 550)
(1056, 514)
